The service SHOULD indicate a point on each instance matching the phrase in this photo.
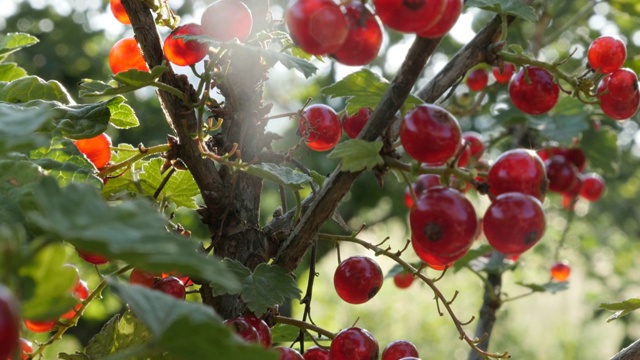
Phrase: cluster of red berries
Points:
(173, 285)
(352, 34)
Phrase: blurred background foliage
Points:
(602, 244)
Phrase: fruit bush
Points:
(197, 242)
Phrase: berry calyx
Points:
(126, 55)
(96, 149)
(9, 323)
(452, 11)
(364, 37)
(171, 286)
(533, 90)
(142, 278)
(504, 76)
(354, 344)
(430, 134)
(225, 20)
(518, 170)
(403, 280)
(91, 258)
(592, 187)
(181, 52)
(357, 279)
(287, 353)
(410, 16)
(261, 327)
(399, 349)
(119, 12)
(353, 124)
(560, 271)
(477, 80)
(514, 223)
(606, 54)
(316, 353)
(317, 26)
(243, 329)
(320, 127)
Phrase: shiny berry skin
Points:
(287, 353)
(617, 108)
(422, 184)
(353, 124)
(363, 39)
(186, 280)
(261, 327)
(142, 278)
(321, 127)
(561, 173)
(357, 279)
(514, 222)
(477, 80)
(465, 156)
(403, 280)
(536, 94)
(40, 326)
(118, 12)
(182, 53)
(504, 76)
(622, 84)
(430, 134)
(91, 258)
(433, 261)
(354, 344)
(226, 20)
(26, 348)
(9, 323)
(243, 329)
(576, 157)
(80, 292)
(606, 54)
(560, 271)
(452, 11)
(316, 353)
(475, 143)
(399, 349)
(171, 286)
(443, 222)
(518, 170)
(126, 55)
(317, 26)
(592, 187)
(96, 149)
(410, 16)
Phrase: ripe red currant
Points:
(26, 349)
(363, 39)
(399, 349)
(118, 12)
(96, 149)
(354, 344)
(452, 11)
(617, 108)
(9, 323)
(533, 90)
(477, 80)
(171, 286)
(37, 326)
(184, 53)
(606, 54)
(186, 280)
(518, 170)
(592, 187)
(403, 280)
(430, 134)
(410, 16)
(80, 292)
(318, 26)
(353, 124)
(261, 327)
(560, 271)
(561, 173)
(576, 156)
(316, 353)
(422, 184)
(622, 84)
(225, 20)
(357, 279)
(142, 278)
(434, 261)
(92, 258)
(287, 353)
(504, 76)
(321, 127)
(514, 222)
(243, 329)
(126, 55)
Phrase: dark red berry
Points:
(353, 124)
(452, 11)
(243, 329)
(477, 80)
(518, 170)
(354, 344)
(287, 353)
(318, 26)
(363, 39)
(171, 286)
(320, 127)
(475, 143)
(142, 278)
(622, 84)
(225, 20)
(592, 187)
(533, 90)
(504, 76)
(561, 173)
(261, 327)
(403, 280)
(9, 323)
(617, 108)
(430, 134)
(316, 353)
(422, 184)
(410, 16)
(357, 279)
(606, 54)
(92, 258)
(399, 349)
(181, 52)
(436, 262)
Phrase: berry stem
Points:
(127, 163)
(565, 231)
(303, 325)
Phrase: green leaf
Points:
(603, 154)
(133, 231)
(267, 286)
(552, 286)
(180, 189)
(124, 82)
(119, 333)
(281, 175)
(283, 333)
(122, 115)
(363, 89)
(63, 161)
(510, 7)
(47, 284)
(567, 122)
(470, 256)
(621, 308)
(11, 71)
(357, 155)
(33, 88)
(19, 124)
(15, 41)
(178, 326)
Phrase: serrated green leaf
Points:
(603, 153)
(357, 155)
(33, 88)
(119, 333)
(510, 7)
(281, 175)
(122, 115)
(19, 125)
(363, 89)
(18, 175)
(178, 326)
(133, 231)
(240, 272)
(63, 161)
(552, 286)
(267, 286)
(124, 82)
(11, 71)
(47, 284)
(15, 41)
(566, 122)
(283, 333)
(180, 189)
(621, 308)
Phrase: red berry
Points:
(430, 134)
(399, 349)
(142, 278)
(320, 127)
(96, 149)
(443, 222)
(318, 26)
(476, 143)
(477, 80)
(606, 54)
(126, 55)
(514, 222)
(287, 353)
(622, 84)
(464, 158)
(617, 108)
(353, 124)
(226, 20)
(422, 184)
(357, 279)
(403, 279)
(184, 53)
(26, 348)
(592, 187)
(118, 12)
(354, 344)
(92, 258)
(261, 327)
(410, 16)
(576, 157)
(40, 326)
(561, 173)
(186, 280)
(243, 329)
(80, 292)
(171, 286)
(434, 261)
(533, 90)
(9, 323)
(560, 271)
(452, 11)
(518, 170)
(504, 76)
(363, 39)
(316, 353)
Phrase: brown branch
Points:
(631, 352)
